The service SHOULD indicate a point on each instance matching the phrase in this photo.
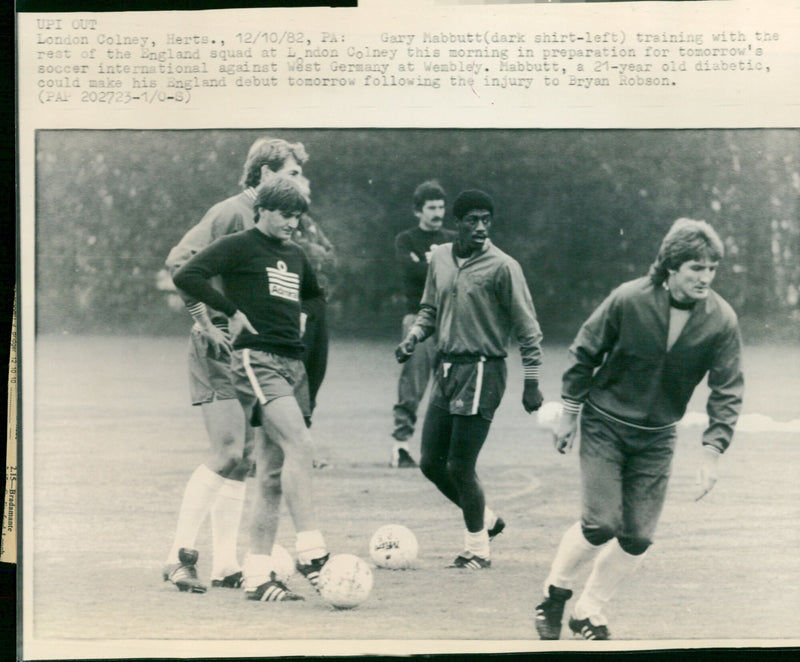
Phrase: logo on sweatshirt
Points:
(283, 283)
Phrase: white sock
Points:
(257, 570)
(310, 545)
(201, 490)
(573, 552)
(489, 517)
(613, 565)
(477, 543)
(226, 515)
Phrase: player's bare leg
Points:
(260, 582)
(284, 425)
(266, 509)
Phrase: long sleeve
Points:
(414, 267)
(310, 288)
(516, 299)
(726, 381)
(425, 323)
(594, 340)
(224, 218)
(194, 276)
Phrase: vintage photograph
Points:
(526, 388)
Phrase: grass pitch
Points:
(115, 441)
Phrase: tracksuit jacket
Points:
(620, 365)
(475, 307)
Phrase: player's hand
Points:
(532, 397)
(303, 322)
(708, 474)
(219, 342)
(564, 435)
(239, 323)
(405, 349)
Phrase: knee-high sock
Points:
(573, 552)
(201, 490)
(612, 566)
(226, 516)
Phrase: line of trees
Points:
(581, 210)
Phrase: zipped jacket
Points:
(620, 364)
(474, 308)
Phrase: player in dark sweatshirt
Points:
(265, 279)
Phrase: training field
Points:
(115, 441)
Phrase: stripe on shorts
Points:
(251, 375)
(478, 385)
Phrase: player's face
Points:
(473, 229)
(431, 215)
(692, 280)
(277, 224)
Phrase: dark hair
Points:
(282, 194)
(430, 190)
(271, 152)
(686, 240)
(472, 199)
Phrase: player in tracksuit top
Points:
(633, 367)
(265, 278)
(475, 297)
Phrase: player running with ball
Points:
(633, 367)
(265, 278)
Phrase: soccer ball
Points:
(345, 581)
(283, 563)
(393, 546)
(549, 415)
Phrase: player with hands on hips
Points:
(266, 278)
(217, 486)
(633, 367)
(475, 296)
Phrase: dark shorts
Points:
(264, 377)
(469, 387)
(210, 378)
(624, 475)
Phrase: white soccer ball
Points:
(345, 581)
(393, 546)
(283, 563)
(549, 415)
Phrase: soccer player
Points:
(217, 486)
(633, 367)
(265, 277)
(413, 249)
(475, 296)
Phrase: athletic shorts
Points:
(264, 377)
(210, 378)
(467, 387)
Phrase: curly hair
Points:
(686, 240)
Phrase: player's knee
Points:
(269, 483)
(635, 546)
(598, 534)
(460, 475)
(241, 469)
(431, 469)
